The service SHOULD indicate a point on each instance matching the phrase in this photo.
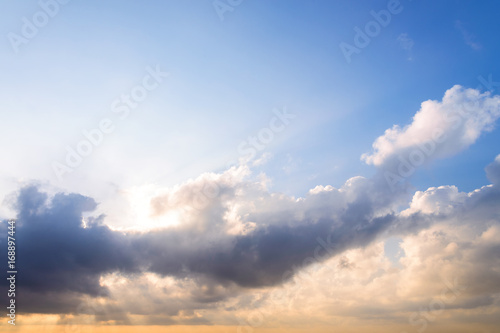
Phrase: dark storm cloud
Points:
(263, 257)
(60, 259)
(57, 256)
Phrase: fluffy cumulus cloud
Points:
(446, 279)
(439, 129)
(239, 254)
(250, 237)
(436, 200)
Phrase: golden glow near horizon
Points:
(358, 291)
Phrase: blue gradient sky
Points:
(227, 76)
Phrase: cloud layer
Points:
(245, 237)
(237, 247)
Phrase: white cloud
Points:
(439, 129)
(405, 42)
(436, 200)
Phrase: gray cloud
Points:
(62, 259)
(56, 255)
(493, 171)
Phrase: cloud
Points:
(242, 237)
(493, 171)
(439, 129)
(59, 257)
(469, 38)
(406, 43)
(436, 200)
(236, 244)
(448, 272)
(253, 238)
(185, 273)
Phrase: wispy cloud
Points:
(469, 38)
(406, 43)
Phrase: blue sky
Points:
(229, 75)
(232, 73)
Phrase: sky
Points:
(251, 166)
